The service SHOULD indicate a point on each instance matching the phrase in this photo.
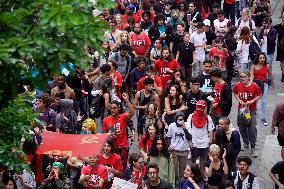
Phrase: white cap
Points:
(207, 22)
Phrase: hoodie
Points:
(66, 109)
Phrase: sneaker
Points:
(245, 147)
(264, 121)
(254, 154)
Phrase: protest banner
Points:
(123, 184)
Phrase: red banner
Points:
(72, 144)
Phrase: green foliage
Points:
(15, 120)
(36, 37)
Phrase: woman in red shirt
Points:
(146, 140)
(259, 71)
(111, 161)
(247, 93)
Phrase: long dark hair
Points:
(178, 90)
(147, 135)
(255, 61)
(154, 151)
(134, 157)
(197, 175)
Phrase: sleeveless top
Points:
(259, 19)
(261, 73)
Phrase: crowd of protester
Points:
(164, 79)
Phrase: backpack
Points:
(250, 178)
(254, 49)
(250, 23)
(97, 106)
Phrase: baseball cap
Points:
(207, 22)
(200, 104)
(130, 6)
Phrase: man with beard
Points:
(56, 179)
(63, 89)
(166, 66)
(129, 13)
(140, 42)
(191, 18)
(153, 181)
(116, 124)
(242, 178)
(93, 175)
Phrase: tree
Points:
(36, 38)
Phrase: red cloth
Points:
(38, 174)
(125, 18)
(95, 175)
(137, 176)
(119, 123)
(261, 74)
(140, 43)
(114, 161)
(229, 1)
(140, 84)
(218, 57)
(140, 12)
(199, 118)
(148, 143)
(117, 82)
(217, 92)
(247, 93)
(160, 66)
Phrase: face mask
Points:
(180, 123)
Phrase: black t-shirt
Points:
(186, 53)
(217, 175)
(210, 36)
(177, 39)
(278, 169)
(191, 99)
(163, 185)
(206, 83)
(212, 16)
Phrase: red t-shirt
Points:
(247, 93)
(161, 65)
(117, 82)
(140, 84)
(114, 161)
(118, 123)
(125, 18)
(95, 174)
(219, 57)
(38, 174)
(140, 43)
(148, 144)
(260, 74)
(137, 176)
(217, 96)
(140, 12)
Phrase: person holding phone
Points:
(56, 178)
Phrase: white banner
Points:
(123, 184)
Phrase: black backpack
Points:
(97, 106)
(254, 49)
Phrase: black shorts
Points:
(280, 140)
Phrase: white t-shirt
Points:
(244, 23)
(177, 135)
(200, 138)
(224, 25)
(264, 42)
(112, 37)
(155, 52)
(199, 39)
(243, 47)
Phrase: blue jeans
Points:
(270, 60)
(263, 101)
(238, 9)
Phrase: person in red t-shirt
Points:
(140, 42)
(116, 124)
(150, 73)
(93, 175)
(218, 55)
(247, 93)
(129, 14)
(165, 66)
(222, 97)
(136, 171)
(116, 77)
(146, 140)
(111, 161)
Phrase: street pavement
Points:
(267, 145)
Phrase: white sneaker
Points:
(254, 154)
